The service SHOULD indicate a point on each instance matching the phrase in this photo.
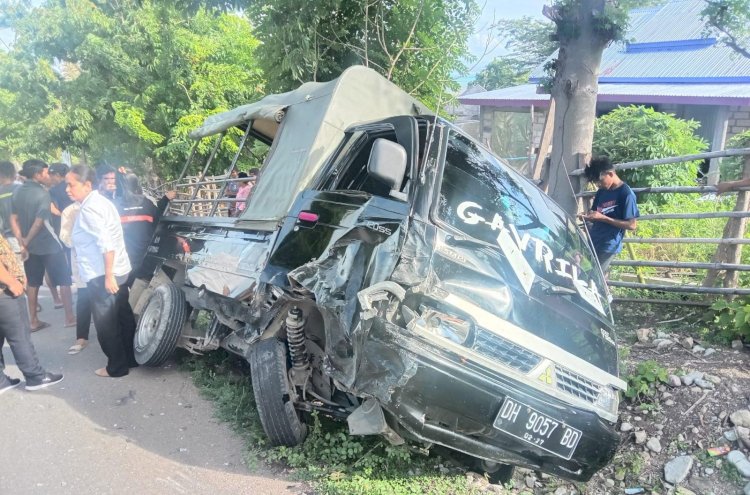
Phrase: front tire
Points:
(160, 325)
(273, 394)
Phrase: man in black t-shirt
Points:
(40, 246)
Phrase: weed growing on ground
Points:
(331, 459)
(642, 384)
(730, 473)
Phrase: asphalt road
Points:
(147, 433)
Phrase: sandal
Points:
(76, 348)
(42, 325)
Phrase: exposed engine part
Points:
(295, 337)
(369, 419)
(379, 292)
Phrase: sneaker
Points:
(12, 383)
(47, 380)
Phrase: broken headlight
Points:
(444, 325)
(608, 400)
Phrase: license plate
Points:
(527, 424)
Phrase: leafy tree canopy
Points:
(730, 20)
(503, 72)
(121, 81)
(528, 40)
(418, 44)
(634, 133)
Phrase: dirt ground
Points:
(147, 433)
(679, 420)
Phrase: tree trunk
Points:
(574, 91)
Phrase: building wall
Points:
(739, 120)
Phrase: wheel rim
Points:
(149, 326)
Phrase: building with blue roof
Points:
(668, 62)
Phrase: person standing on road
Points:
(60, 201)
(83, 300)
(40, 246)
(14, 326)
(104, 265)
(138, 215)
(613, 211)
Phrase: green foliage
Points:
(503, 72)
(703, 228)
(334, 461)
(731, 167)
(120, 81)
(635, 133)
(642, 384)
(609, 19)
(418, 44)
(527, 40)
(732, 318)
(729, 20)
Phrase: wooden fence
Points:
(718, 276)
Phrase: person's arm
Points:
(723, 187)
(163, 203)
(14, 227)
(110, 282)
(7, 279)
(67, 220)
(54, 210)
(33, 231)
(628, 224)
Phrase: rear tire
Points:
(273, 394)
(160, 325)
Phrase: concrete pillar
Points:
(717, 143)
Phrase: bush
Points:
(731, 167)
(732, 318)
(635, 133)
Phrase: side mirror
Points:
(387, 164)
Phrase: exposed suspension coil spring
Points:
(295, 336)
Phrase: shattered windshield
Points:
(487, 200)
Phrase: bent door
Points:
(350, 211)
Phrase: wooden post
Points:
(735, 229)
(531, 138)
(536, 172)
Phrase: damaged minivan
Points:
(391, 272)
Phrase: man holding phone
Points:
(613, 211)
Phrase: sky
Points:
(497, 9)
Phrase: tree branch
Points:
(732, 42)
(394, 60)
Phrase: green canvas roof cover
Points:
(306, 126)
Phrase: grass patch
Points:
(330, 459)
